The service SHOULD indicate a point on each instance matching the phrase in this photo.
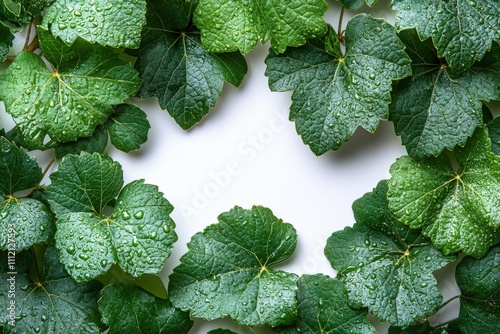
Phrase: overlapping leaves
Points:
(186, 79)
(239, 25)
(334, 94)
(138, 235)
(227, 270)
(462, 30)
(53, 303)
(439, 107)
(70, 101)
(23, 221)
(384, 265)
(456, 207)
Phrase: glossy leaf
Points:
(384, 265)
(6, 38)
(479, 283)
(438, 107)
(96, 143)
(129, 309)
(239, 25)
(115, 23)
(356, 4)
(186, 79)
(227, 270)
(462, 30)
(52, 304)
(128, 128)
(334, 94)
(323, 309)
(457, 208)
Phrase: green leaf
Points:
(221, 331)
(20, 12)
(422, 328)
(186, 79)
(494, 134)
(384, 265)
(323, 309)
(97, 143)
(6, 38)
(479, 283)
(19, 170)
(462, 30)
(227, 270)
(458, 209)
(52, 304)
(116, 23)
(334, 94)
(25, 222)
(71, 101)
(439, 107)
(239, 25)
(129, 309)
(84, 183)
(139, 235)
(356, 4)
(128, 127)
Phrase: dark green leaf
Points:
(479, 283)
(186, 79)
(494, 134)
(97, 143)
(116, 23)
(221, 331)
(423, 328)
(54, 304)
(128, 309)
(439, 107)
(239, 25)
(227, 270)
(462, 30)
(334, 94)
(384, 265)
(323, 309)
(19, 171)
(458, 209)
(69, 102)
(6, 38)
(356, 4)
(128, 127)
(84, 183)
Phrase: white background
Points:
(246, 152)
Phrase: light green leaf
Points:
(186, 79)
(239, 25)
(384, 265)
(439, 107)
(323, 309)
(52, 304)
(334, 94)
(128, 127)
(70, 101)
(84, 183)
(227, 270)
(457, 208)
(128, 309)
(115, 23)
(462, 30)
(479, 283)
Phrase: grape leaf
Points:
(458, 209)
(71, 101)
(20, 12)
(129, 309)
(96, 143)
(439, 107)
(479, 283)
(6, 38)
(24, 221)
(226, 271)
(84, 183)
(384, 265)
(115, 23)
(239, 25)
(221, 331)
(356, 4)
(128, 127)
(52, 304)
(334, 94)
(186, 79)
(462, 30)
(422, 328)
(494, 134)
(138, 235)
(323, 309)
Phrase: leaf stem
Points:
(449, 301)
(33, 45)
(28, 35)
(339, 29)
(51, 162)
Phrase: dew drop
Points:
(125, 215)
(139, 214)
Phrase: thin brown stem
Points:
(28, 35)
(33, 45)
(45, 171)
(10, 59)
(339, 29)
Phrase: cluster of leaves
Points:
(88, 248)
